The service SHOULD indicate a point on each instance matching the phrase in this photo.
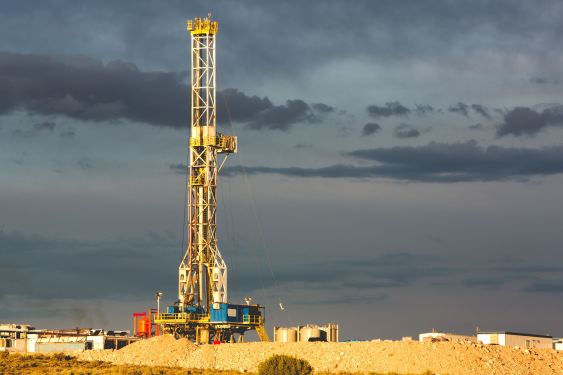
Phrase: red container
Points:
(143, 326)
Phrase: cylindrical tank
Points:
(305, 333)
(285, 334)
(334, 332)
(143, 326)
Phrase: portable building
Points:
(522, 340)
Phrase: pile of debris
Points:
(462, 358)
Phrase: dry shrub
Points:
(284, 364)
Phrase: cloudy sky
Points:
(400, 163)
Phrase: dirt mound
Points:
(162, 351)
(382, 356)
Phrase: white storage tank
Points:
(307, 332)
(282, 334)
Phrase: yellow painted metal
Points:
(202, 274)
(223, 143)
(203, 26)
(252, 319)
(262, 333)
(180, 318)
(197, 180)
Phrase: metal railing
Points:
(180, 318)
(201, 318)
(252, 319)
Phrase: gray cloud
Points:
(435, 162)
(390, 109)
(259, 113)
(464, 110)
(423, 109)
(391, 270)
(376, 24)
(45, 125)
(86, 89)
(406, 131)
(282, 117)
(544, 81)
(460, 108)
(370, 128)
(96, 268)
(481, 110)
(527, 121)
(397, 109)
(321, 107)
(555, 286)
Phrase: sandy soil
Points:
(382, 356)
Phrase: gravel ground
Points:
(382, 356)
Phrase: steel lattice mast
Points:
(202, 271)
(203, 313)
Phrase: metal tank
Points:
(307, 332)
(282, 334)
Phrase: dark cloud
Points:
(435, 162)
(460, 108)
(371, 128)
(397, 109)
(260, 113)
(433, 31)
(86, 89)
(464, 110)
(45, 125)
(423, 109)
(282, 117)
(35, 130)
(390, 109)
(527, 121)
(406, 131)
(234, 105)
(481, 110)
(554, 286)
(96, 268)
(544, 81)
(321, 107)
(391, 270)
(303, 145)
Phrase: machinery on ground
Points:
(202, 312)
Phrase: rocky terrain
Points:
(378, 356)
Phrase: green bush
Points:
(284, 365)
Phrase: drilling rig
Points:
(202, 312)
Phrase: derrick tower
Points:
(202, 312)
(202, 271)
